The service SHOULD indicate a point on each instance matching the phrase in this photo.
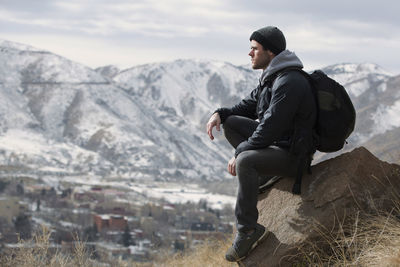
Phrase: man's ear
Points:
(272, 55)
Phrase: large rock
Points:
(336, 188)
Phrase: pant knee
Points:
(244, 161)
(227, 125)
(230, 125)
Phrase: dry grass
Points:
(364, 240)
(369, 240)
(38, 252)
(210, 253)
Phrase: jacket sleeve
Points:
(277, 118)
(246, 107)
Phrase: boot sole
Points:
(265, 234)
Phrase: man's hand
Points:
(232, 166)
(215, 120)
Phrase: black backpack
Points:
(336, 116)
(335, 121)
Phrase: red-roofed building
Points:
(110, 222)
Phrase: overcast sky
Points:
(127, 33)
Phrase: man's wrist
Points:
(223, 113)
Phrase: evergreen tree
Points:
(23, 226)
(178, 246)
(126, 237)
(20, 188)
(3, 185)
(38, 204)
(90, 233)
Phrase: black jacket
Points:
(285, 107)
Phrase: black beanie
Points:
(270, 38)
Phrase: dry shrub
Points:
(38, 252)
(81, 257)
(365, 239)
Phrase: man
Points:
(284, 105)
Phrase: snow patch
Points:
(183, 194)
(386, 118)
(382, 87)
(357, 88)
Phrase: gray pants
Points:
(251, 164)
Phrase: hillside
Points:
(62, 117)
(59, 117)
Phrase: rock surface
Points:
(337, 188)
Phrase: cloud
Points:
(69, 6)
(93, 52)
(174, 18)
(383, 11)
(321, 32)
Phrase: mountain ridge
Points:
(146, 122)
(68, 112)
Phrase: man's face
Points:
(260, 58)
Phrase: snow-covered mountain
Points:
(378, 123)
(59, 117)
(364, 83)
(189, 88)
(192, 89)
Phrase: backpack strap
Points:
(304, 162)
(304, 158)
(297, 184)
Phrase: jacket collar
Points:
(283, 60)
